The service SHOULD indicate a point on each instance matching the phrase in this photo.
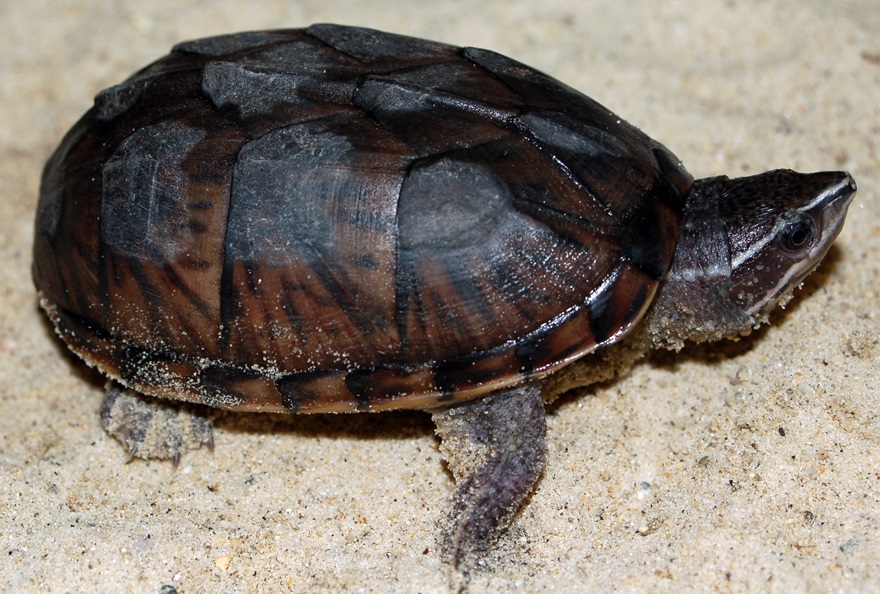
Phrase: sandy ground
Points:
(754, 467)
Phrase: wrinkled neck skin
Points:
(695, 301)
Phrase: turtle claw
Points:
(153, 429)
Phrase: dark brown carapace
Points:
(337, 219)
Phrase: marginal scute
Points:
(302, 391)
(227, 382)
(620, 303)
(649, 240)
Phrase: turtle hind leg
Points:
(152, 428)
(496, 451)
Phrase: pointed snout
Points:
(832, 202)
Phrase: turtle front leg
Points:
(496, 451)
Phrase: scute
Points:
(448, 205)
(141, 214)
(341, 219)
(370, 46)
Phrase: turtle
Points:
(337, 219)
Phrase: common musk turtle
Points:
(335, 219)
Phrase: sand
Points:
(752, 467)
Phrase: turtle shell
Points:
(338, 219)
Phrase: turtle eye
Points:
(797, 235)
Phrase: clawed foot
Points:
(152, 428)
(496, 450)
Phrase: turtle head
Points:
(744, 244)
(779, 226)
